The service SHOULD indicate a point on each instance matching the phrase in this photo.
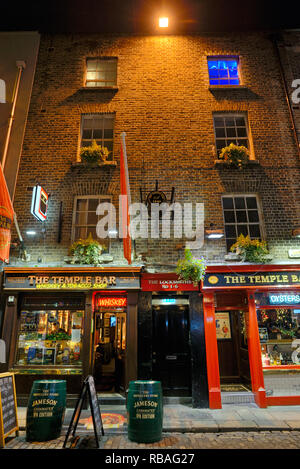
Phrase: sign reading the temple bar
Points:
(250, 279)
(76, 281)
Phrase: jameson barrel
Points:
(45, 411)
(145, 411)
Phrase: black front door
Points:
(171, 349)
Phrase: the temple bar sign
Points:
(249, 279)
(70, 282)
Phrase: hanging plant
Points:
(235, 155)
(251, 250)
(86, 251)
(190, 268)
(94, 154)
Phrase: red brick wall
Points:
(165, 106)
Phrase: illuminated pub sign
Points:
(109, 301)
(39, 203)
(69, 281)
(284, 299)
(250, 279)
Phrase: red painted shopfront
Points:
(267, 299)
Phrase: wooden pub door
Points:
(171, 349)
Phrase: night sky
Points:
(139, 16)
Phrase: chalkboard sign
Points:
(88, 391)
(8, 407)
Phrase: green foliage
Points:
(94, 154)
(251, 250)
(191, 268)
(87, 251)
(235, 155)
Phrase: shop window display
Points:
(279, 332)
(50, 338)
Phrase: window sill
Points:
(227, 87)
(100, 88)
(223, 164)
(80, 164)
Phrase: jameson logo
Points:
(5, 222)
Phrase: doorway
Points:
(109, 347)
(171, 360)
(233, 351)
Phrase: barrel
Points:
(46, 409)
(145, 411)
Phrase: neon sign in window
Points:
(223, 71)
(284, 299)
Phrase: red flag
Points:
(125, 200)
(6, 218)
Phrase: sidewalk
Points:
(183, 418)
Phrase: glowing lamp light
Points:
(163, 22)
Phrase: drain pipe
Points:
(21, 66)
(274, 39)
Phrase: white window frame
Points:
(248, 131)
(101, 83)
(107, 198)
(103, 116)
(226, 57)
(259, 210)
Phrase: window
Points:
(230, 128)
(223, 70)
(241, 216)
(2, 91)
(101, 72)
(85, 218)
(50, 335)
(99, 127)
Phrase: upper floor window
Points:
(242, 215)
(85, 218)
(223, 70)
(230, 128)
(99, 127)
(101, 72)
(2, 91)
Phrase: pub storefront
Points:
(58, 323)
(252, 331)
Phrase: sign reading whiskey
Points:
(70, 281)
(250, 279)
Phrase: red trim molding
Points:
(283, 400)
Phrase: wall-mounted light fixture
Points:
(213, 233)
(31, 233)
(163, 22)
(296, 233)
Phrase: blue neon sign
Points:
(284, 299)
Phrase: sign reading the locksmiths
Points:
(249, 279)
(69, 282)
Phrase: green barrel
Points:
(145, 411)
(46, 409)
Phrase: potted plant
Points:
(250, 250)
(86, 251)
(235, 155)
(94, 153)
(190, 268)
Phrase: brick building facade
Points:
(165, 104)
(177, 116)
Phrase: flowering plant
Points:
(235, 155)
(87, 251)
(191, 268)
(251, 250)
(94, 153)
